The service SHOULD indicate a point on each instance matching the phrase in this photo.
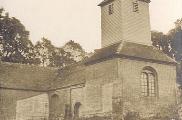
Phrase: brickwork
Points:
(90, 94)
(130, 73)
(98, 75)
(8, 102)
(33, 108)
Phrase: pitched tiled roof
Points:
(26, 77)
(132, 51)
(41, 79)
(69, 76)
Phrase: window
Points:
(135, 6)
(148, 83)
(111, 9)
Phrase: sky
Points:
(79, 20)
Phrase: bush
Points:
(132, 116)
(96, 118)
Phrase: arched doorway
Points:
(54, 106)
(76, 110)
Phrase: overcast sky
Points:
(79, 20)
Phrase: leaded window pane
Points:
(148, 84)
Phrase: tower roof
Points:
(147, 1)
(131, 51)
(104, 2)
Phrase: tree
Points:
(15, 45)
(162, 42)
(169, 43)
(178, 24)
(44, 51)
(75, 50)
(50, 55)
(61, 58)
(176, 40)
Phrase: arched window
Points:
(149, 82)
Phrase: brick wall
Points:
(33, 108)
(122, 78)
(129, 74)
(97, 76)
(8, 102)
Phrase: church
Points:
(126, 75)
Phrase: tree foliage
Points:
(168, 42)
(44, 51)
(14, 40)
(61, 58)
(50, 55)
(16, 47)
(77, 53)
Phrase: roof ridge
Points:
(154, 48)
(120, 47)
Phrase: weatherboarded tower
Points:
(125, 20)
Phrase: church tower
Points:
(125, 20)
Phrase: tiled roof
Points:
(26, 77)
(130, 50)
(41, 79)
(69, 76)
